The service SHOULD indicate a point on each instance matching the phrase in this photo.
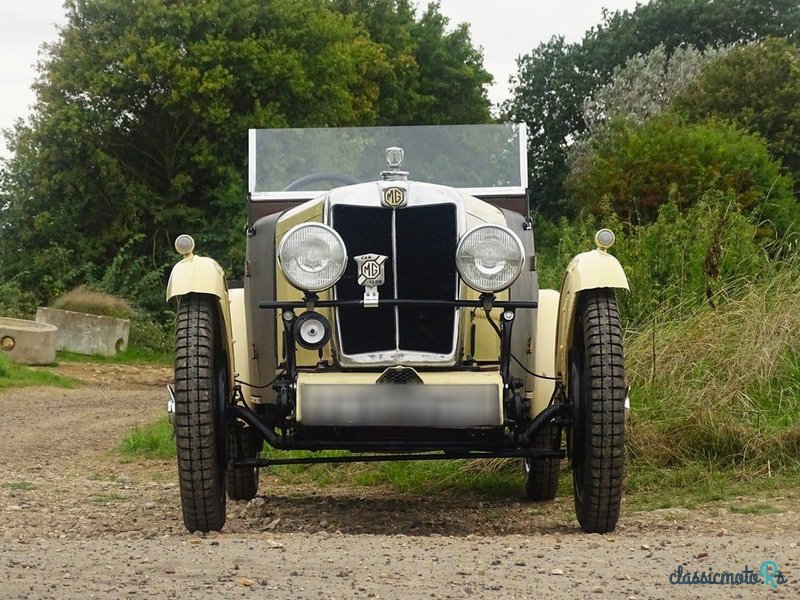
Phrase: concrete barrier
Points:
(86, 334)
(28, 342)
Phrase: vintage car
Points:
(390, 307)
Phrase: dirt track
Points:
(79, 523)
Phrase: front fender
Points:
(587, 271)
(198, 274)
(203, 275)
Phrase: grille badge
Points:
(371, 274)
(394, 197)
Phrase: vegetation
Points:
(139, 130)
(152, 441)
(721, 386)
(83, 300)
(638, 168)
(556, 78)
(12, 375)
(756, 86)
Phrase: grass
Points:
(153, 441)
(84, 300)
(19, 485)
(130, 356)
(13, 376)
(108, 498)
(722, 386)
(647, 487)
(102, 477)
(695, 484)
(759, 508)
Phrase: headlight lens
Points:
(312, 257)
(489, 258)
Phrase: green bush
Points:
(675, 265)
(148, 334)
(758, 87)
(14, 302)
(636, 170)
(136, 277)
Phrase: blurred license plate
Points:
(423, 405)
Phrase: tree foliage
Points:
(646, 84)
(758, 87)
(641, 89)
(637, 169)
(437, 76)
(554, 79)
(139, 131)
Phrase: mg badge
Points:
(371, 273)
(394, 197)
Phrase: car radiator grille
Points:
(421, 243)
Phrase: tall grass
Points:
(722, 385)
(82, 299)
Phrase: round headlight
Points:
(312, 257)
(489, 258)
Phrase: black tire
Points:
(597, 396)
(541, 474)
(242, 483)
(201, 387)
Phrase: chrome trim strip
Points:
(496, 192)
(523, 155)
(251, 161)
(394, 276)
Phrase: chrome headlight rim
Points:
(324, 285)
(485, 289)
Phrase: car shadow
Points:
(392, 513)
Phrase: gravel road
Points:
(77, 522)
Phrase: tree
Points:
(637, 169)
(555, 78)
(437, 76)
(758, 87)
(641, 89)
(139, 131)
(646, 85)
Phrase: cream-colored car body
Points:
(539, 390)
(587, 271)
(241, 358)
(203, 275)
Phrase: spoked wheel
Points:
(201, 389)
(597, 395)
(242, 482)
(541, 474)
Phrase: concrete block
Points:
(86, 334)
(28, 342)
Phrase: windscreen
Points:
(474, 157)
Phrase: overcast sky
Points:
(504, 28)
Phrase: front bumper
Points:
(444, 400)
